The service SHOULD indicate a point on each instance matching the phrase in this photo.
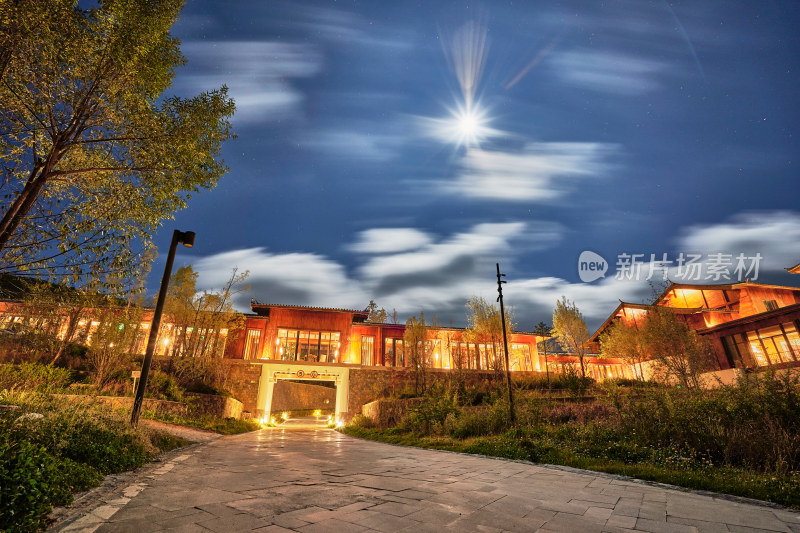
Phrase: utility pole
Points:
(187, 239)
(511, 415)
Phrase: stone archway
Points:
(271, 373)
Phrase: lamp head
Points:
(186, 238)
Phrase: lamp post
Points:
(187, 239)
(510, 394)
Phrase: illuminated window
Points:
(251, 344)
(522, 354)
(793, 338)
(367, 350)
(758, 351)
(394, 353)
(304, 345)
(777, 343)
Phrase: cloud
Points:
(609, 72)
(350, 144)
(257, 73)
(535, 173)
(295, 278)
(770, 233)
(405, 269)
(389, 240)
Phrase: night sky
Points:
(396, 151)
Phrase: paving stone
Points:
(654, 526)
(397, 509)
(701, 525)
(504, 522)
(239, 522)
(435, 515)
(279, 479)
(331, 526)
(623, 522)
(600, 513)
(570, 523)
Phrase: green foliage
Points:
(377, 314)
(44, 459)
(679, 353)
(34, 376)
(163, 386)
(433, 411)
(97, 155)
(32, 480)
(360, 422)
(570, 328)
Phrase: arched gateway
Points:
(272, 372)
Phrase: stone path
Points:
(318, 480)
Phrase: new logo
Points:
(591, 266)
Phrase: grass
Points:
(742, 440)
(223, 426)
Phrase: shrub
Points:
(361, 422)
(34, 376)
(164, 386)
(30, 482)
(482, 421)
(43, 460)
(431, 412)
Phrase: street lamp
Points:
(187, 239)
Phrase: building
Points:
(330, 335)
(749, 325)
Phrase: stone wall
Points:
(385, 413)
(243, 379)
(294, 396)
(208, 404)
(219, 406)
(126, 402)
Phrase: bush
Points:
(164, 386)
(480, 422)
(43, 460)
(430, 413)
(34, 376)
(31, 481)
(360, 422)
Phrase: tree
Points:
(94, 155)
(376, 315)
(418, 350)
(112, 341)
(542, 329)
(570, 328)
(484, 327)
(203, 323)
(624, 342)
(678, 352)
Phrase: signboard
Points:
(136, 373)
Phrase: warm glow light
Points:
(317, 412)
(166, 341)
(285, 416)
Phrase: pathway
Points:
(318, 480)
